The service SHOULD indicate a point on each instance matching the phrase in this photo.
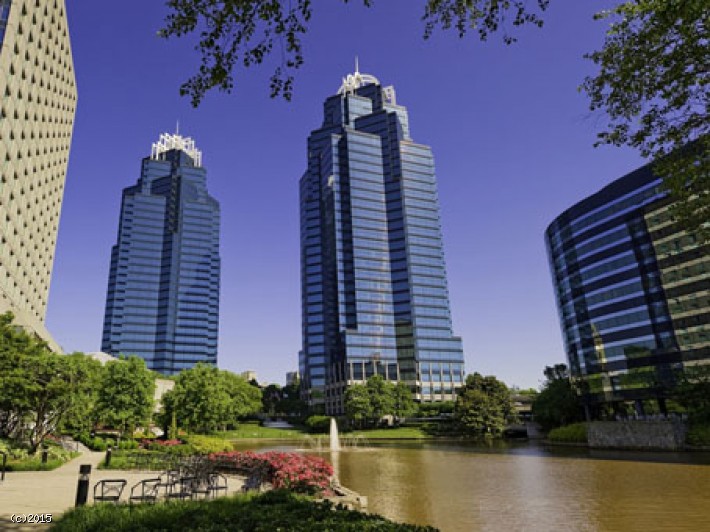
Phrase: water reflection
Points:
(529, 488)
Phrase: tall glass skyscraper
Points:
(374, 290)
(632, 290)
(163, 288)
(37, 104)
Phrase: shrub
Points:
(34, 464)
(698, 435)
(275, 510)
(13, 450)
(209, 444)
(319, 424)
(20, 460)
(575, 433)
(292, 471)
(97, 444)
(174, 447)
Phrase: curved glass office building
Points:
(632, 290)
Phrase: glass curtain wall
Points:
(375, 296)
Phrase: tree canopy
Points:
(651, 83)
(125, 398)
(246, 33)
(39, 390)
(557, 403)
(206, 398)
(484, 406)
(377, 398)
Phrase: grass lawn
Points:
(253, 430)
(397, 433)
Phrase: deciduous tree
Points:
(358, 407)
(557, 403)
(651, 84)
(205, 399)
(484, 406)
(126, 395)
(246, 33)
(404, 405)
(38, 388)
(381, 396)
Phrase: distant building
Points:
(37, 105)
(632, 290)
(373, 278)
(292, 377)
(249, 376)
(163, 289)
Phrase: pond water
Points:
(527, 487)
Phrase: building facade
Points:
(373, 277)
(632, 291)
(163, 289)
(37, 105)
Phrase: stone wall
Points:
(636, 434)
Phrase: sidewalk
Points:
(54, 492)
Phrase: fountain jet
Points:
(334, 438)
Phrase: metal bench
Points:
(216, 483)
(109, 490)
(145, 491)
(183, 489)
(169, 480)
(253, 482)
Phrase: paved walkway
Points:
(54, 492)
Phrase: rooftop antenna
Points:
(357, 65)
(177, 127)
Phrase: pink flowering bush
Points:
(160, 443)
(293, 471)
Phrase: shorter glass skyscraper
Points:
(374, 291)
(632, 290)
(163, 289)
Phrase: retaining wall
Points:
(636, 434)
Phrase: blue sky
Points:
(511, 135)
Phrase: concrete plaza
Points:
(54, 492)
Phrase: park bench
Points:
(145, 491)
(217, 483)
(109, 490)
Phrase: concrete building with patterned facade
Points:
(37, 105)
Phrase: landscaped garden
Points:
(20, 459)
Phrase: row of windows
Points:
(632, 200)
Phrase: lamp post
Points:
(82, 487)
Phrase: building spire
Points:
(177, 126)
(357, 65)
